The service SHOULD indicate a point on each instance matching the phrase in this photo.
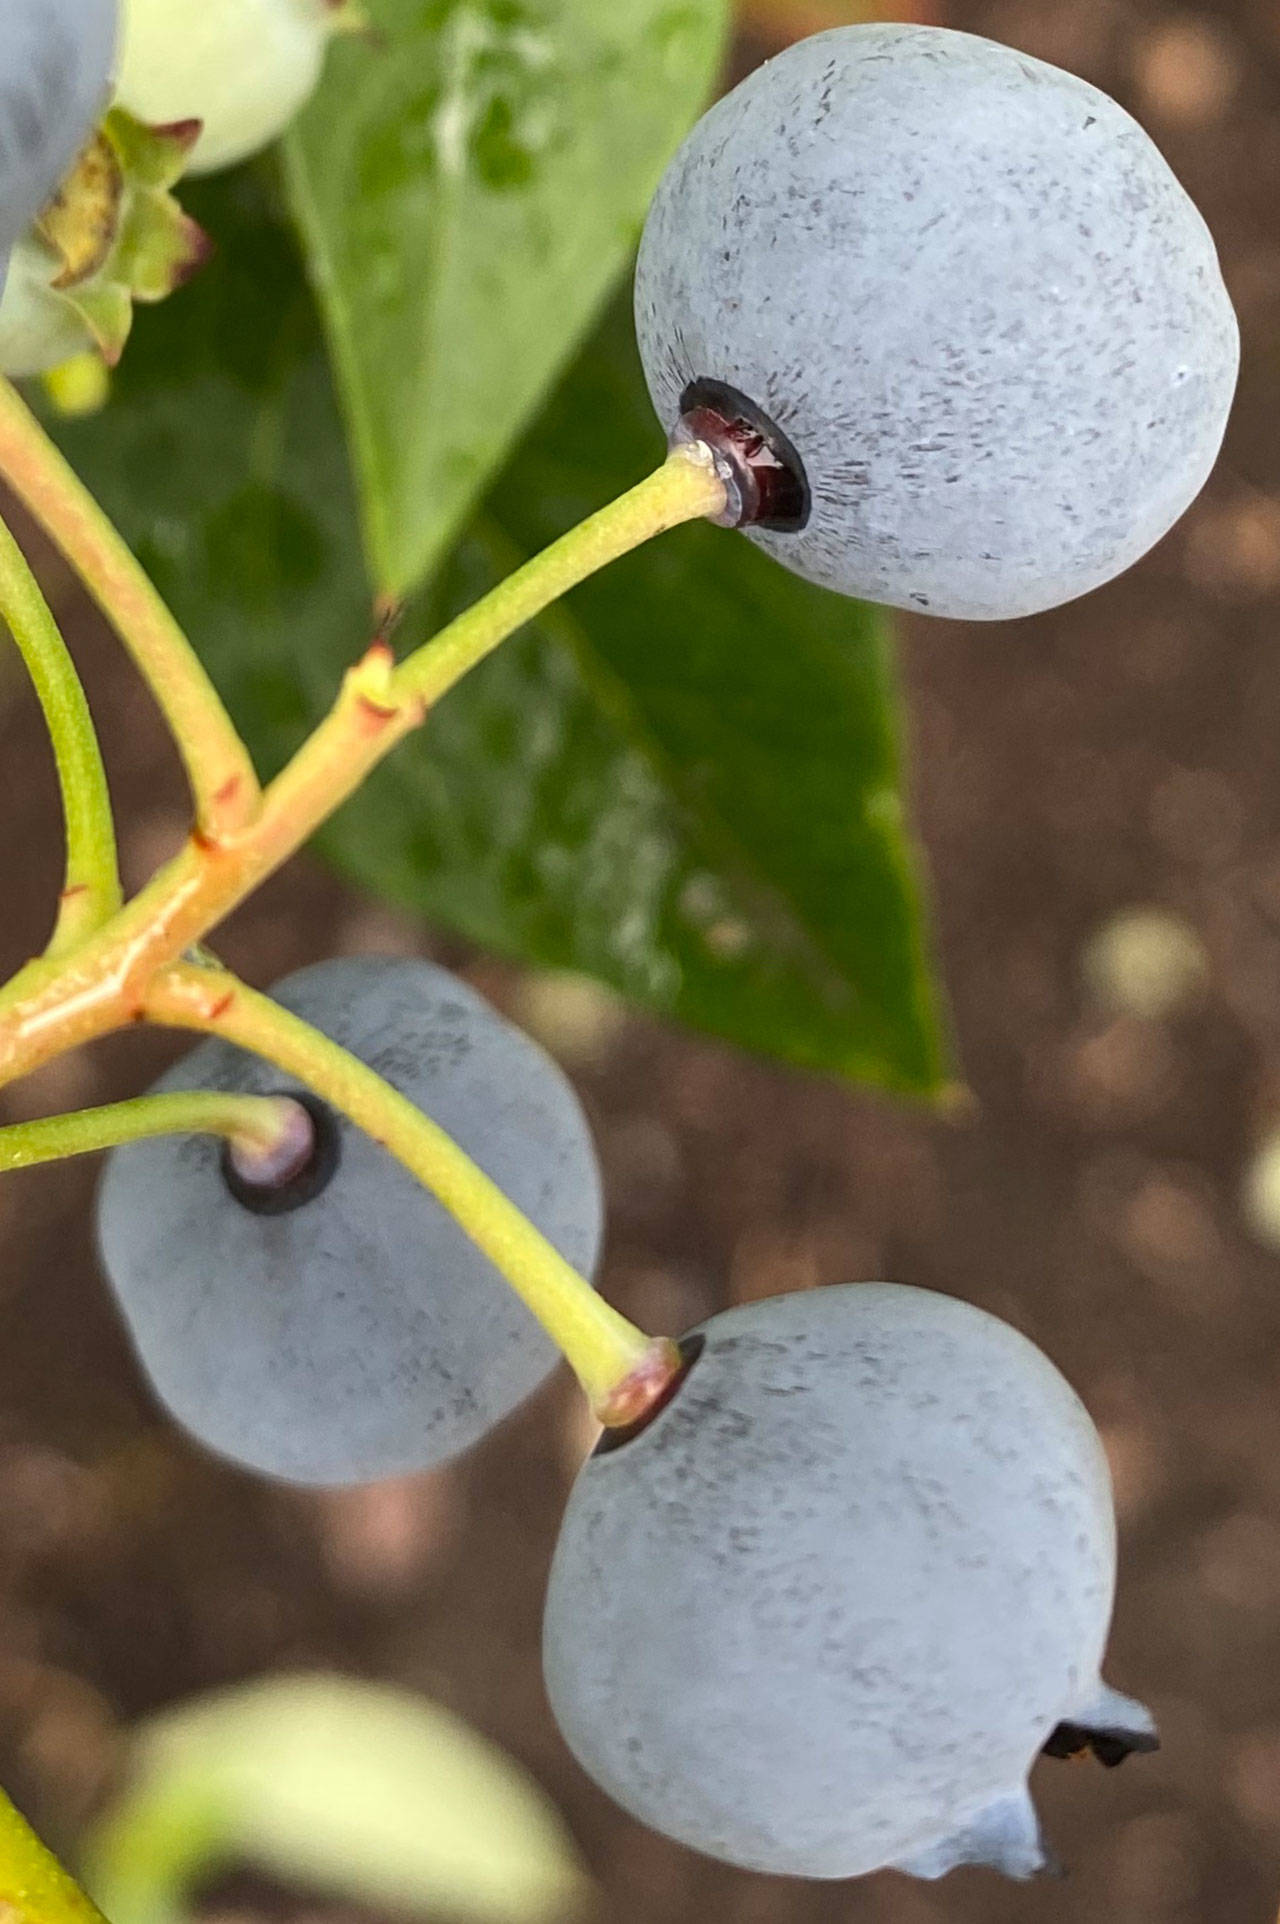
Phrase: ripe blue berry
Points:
(820, 1615)
(346, 1328)
(957, 331)
(55, 63)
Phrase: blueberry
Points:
(55, 64)
(347, 1328)
(955, 309)
(820, 1615)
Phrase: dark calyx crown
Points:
(763, 475)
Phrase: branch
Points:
(91, 893)
(223, 781)
(377, 707)
(260, 1128)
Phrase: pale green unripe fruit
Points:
(243, 67)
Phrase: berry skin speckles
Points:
(355, 1332)
(970, 296)
(822, 1613)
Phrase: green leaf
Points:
(353, 1789)
(683, 781)
(468, 184)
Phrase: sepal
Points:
(1004, 1836)
(113, 234)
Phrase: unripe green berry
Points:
(242, 67)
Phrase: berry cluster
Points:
(947, 333)
(816, 1611)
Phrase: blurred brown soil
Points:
(1123, 751)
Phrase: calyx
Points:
(115, 233)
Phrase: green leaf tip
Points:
(505, 153)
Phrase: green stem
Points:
(34, 1888)
(617, 1365)
(255, 1125)
(222, 777)
(684, 488)
(91, 894)
(53, 1009)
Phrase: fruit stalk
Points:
(610, 1357)
(255, 1126)
(685, 488)
(224, 784)
(50, 1009)
(91, 893)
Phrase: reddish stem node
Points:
(643, 1387)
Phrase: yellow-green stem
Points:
(91, 893)
(104, 984)
(606, 1352)
(34, 1888)
(252, 1123)
(684, 488)
(223, 781)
